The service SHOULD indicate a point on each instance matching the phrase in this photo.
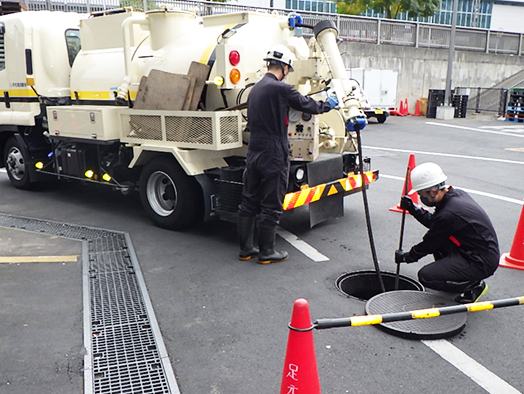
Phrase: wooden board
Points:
(200, 72)
(162, 91)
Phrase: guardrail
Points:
(351, 27)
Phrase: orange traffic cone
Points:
(417, 109)
(300, 368)
(406, 108)
(414, 197)
(515, 257)
(398, 112)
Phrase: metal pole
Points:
(451, 54)
(322, 324)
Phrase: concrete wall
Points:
(421, 69)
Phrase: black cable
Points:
(366, 210)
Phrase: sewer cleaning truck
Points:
(155, 102)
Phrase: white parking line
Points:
(446, 155)
(475, 129)
(301, 245)
(469, 367)
(471, 191)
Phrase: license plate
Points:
(379, 111)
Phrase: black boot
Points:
(266, 242)
(246, 233)
(472, 294)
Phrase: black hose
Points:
(366, 210)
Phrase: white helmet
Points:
(282, 54)
(427, 176)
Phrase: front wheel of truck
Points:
(16, 165)
(171, 198)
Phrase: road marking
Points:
(302, 246)
(475, 129)
(37, 259)
(471, 191)
(469, 367)
(446, 155)
(3, 170)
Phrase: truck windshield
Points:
(73, 44)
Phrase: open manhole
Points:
(364, 285)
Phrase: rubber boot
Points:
(266, 242)
(246, 233)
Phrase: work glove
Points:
(402, 257)
(332, 101)
(407, 203)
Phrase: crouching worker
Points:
(460, 237)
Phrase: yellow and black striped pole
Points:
(418, 314)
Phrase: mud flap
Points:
(323, 171)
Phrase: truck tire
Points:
(381, 118)
(16, 165)
(171, 198)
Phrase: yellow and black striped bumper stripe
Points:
(315, 193)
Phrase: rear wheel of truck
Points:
(16, 165)
(381, 118)
(171, 198)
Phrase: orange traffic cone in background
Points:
(406, 108)
(417, 109)
(414, 196)
(515, 257)
(399, 111)
(300, 368)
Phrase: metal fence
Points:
(351, 28)
(485, 99)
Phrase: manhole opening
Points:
(364, 285)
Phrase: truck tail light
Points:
(234, 76)
(234, 57)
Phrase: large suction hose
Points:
(349, 94)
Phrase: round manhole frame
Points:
(399, 301)
(405, 283)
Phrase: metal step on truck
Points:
(155, 102)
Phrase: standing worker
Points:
(267, 163)
(460, 237)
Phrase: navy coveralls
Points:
(463, 241)
(267, 169)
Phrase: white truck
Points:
(380, 87)
(155, 102)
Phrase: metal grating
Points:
(125, 352)
(229, 130)
(189, 129)
(144, 127)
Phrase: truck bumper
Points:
(348, 185)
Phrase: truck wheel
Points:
(381, 118)
(171, 198)
(16, 165)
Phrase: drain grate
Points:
(125, 352)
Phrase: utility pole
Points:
(451, 55)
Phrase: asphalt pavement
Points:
(225, 322)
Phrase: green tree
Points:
(392, 8)
(351, 7)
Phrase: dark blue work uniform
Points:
(267, 170)
(462, 239)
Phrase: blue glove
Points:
(332, 101)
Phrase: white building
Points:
(508, 16)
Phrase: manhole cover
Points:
(409, 300)
(364, 284)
